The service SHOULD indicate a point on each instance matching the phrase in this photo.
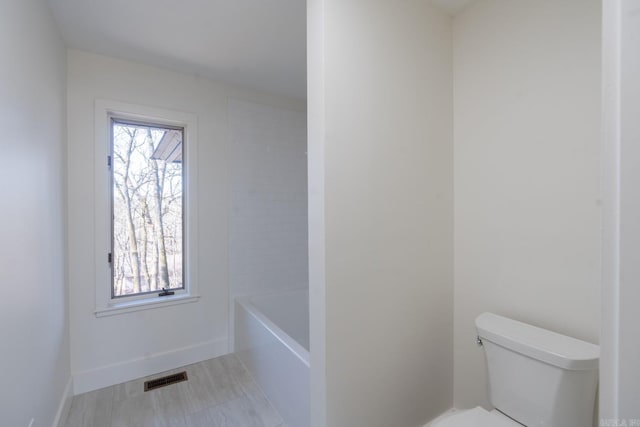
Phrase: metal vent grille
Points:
(165, 381)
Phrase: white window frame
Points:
(105, 110)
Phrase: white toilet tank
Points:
(538, 377)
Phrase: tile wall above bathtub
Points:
(268, 219)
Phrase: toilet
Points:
(536, 378)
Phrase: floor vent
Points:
(165, 381)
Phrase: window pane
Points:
(147, 203)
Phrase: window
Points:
(145, 208)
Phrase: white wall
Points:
(527, 208)
(33, 319)
(621, 295)
(112, 349)
(629, 291)
(268, 220)
(316, 131)
(381, 147)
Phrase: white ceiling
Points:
(255, 43)
(452, 6)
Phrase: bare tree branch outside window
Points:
(147, 203)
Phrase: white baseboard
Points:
(117, 373)
(440, 417)
(65, 405)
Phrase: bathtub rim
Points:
(294, 346)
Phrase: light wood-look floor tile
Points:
(234, 413)
(219, 392)
(91, 409)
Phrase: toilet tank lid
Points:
(550, 347)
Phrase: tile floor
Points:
(219, 393)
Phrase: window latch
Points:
(165, 293)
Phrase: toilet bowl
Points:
(536, 378)
(477, 417)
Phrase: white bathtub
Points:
(271, 337)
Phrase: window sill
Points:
(145, 304)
